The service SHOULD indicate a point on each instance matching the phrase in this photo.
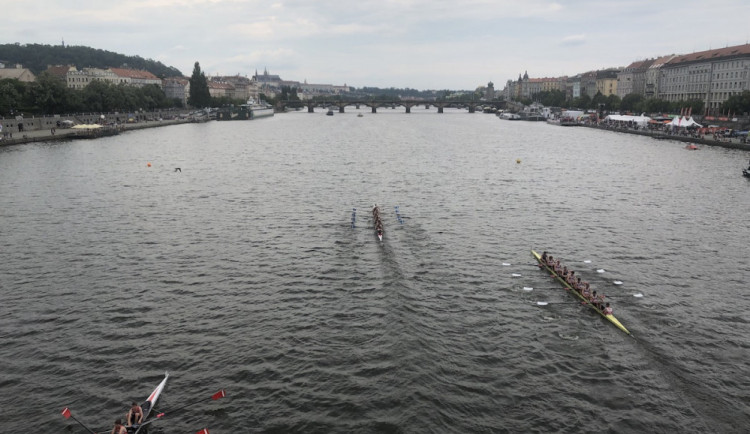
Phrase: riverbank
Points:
(71, 133)
(732, 143)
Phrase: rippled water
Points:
(242, 272)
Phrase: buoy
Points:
(148, 164)
(518, 161)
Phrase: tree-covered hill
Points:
(37, 57)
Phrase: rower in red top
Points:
(119, 428)
(135, 415)
(607, 310)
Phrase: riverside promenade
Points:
(732, 143)
(47, 135)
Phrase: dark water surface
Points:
(242, 272)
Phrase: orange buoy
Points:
(148, 164)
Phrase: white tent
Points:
(639, 120)
(683, 122)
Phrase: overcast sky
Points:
(421, 44)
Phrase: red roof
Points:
(702, 56)
(134, 73)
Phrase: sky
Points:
(419, 44)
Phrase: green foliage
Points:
(631, 103)
(736, 104)
(49, 95)
(199, 94)
(553, 98)
(37, 57)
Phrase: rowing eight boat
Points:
(610, 318)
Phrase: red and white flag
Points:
(66, 413)
(203, 431)
(218, 395)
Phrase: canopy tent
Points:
(683, 122)
(87, 126)
(639, 120)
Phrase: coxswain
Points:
(135, 415)
(544, 257)
(607, 310)
(119, 428)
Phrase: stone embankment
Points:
(733, 143)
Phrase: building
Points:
(176, 88)
(652, 74)
(632, 79)
(220, 89)
(76, 79)
(606, 82)
(16, 72)
(712, 76)
(135, 77)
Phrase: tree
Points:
(199, 94)
(631, 103)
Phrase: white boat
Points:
(148, 407)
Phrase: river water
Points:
(242, 272)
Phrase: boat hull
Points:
(148, 407)
(610, 318)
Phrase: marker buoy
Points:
(148, 164)
(518, 161)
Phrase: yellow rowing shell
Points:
(610, 318)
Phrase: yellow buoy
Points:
(518, 161)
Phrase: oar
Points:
(544, 303)
(218, 395)
(67, 414)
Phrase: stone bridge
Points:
(374, 105)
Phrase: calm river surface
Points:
(243, 272)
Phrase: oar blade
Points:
(66, 413)
(203, 431)
(218, 395)
(541, 303)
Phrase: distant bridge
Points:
(374, 105)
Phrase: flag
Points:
(203, 431)
(218, 395)
(66, 413)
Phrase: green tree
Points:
(199, 94)
(11, 95)
(631, 103)
(736, 103)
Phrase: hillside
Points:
(37, 57)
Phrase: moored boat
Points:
(611, 318)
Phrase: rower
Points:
(586, 290)
(135, 415)
(607, 310)
(119, 428)
(572, 278)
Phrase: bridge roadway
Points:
(470, 105)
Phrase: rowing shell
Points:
(610, 318)
(148, 406)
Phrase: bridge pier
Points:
(472, 109)
(440, 109)
(374, 110)
(341, 109)
(310, 109)
(408, 109)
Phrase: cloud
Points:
(573, 40)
